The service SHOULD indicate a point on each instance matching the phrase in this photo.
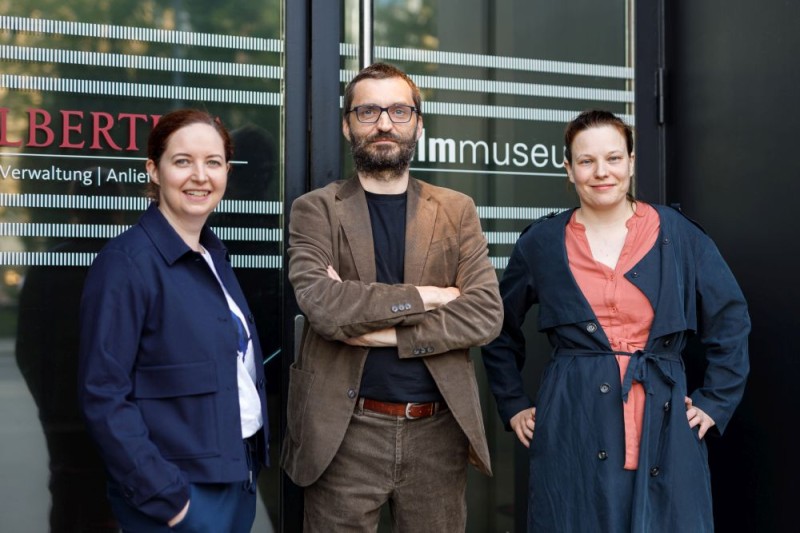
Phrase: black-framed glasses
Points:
(397, 113)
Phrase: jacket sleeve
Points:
(339, 310)
(113, 311)
(472, 319)
(504, 357)
(724, 326)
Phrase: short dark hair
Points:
(380, 71)
(170, 123)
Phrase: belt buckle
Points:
(408, 412)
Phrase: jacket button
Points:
(605, 387)
(666, 406)
(351, 393)
(634, 274)
(667, 342)
(250, 318)
(665, 241)
(654, 471)
(591, 327)
(430, 349)
(602, 455)
(416, 351)
(394, 309)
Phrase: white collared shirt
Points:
(249, 401)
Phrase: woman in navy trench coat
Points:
(576, 433)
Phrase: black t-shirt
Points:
(387, 377)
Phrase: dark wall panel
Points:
(732, 136)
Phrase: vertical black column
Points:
(295, 123)
(325, 124)
(312, 158)
(650, 74)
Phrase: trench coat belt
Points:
(637, 367)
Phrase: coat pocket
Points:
(177, 403)
(300, 382)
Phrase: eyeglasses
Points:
(397, 113)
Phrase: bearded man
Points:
(394, 279)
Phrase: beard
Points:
(383, 162)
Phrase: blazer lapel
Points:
(353, 214)
(420, 220)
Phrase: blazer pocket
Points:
(178, 405)
(300, 382)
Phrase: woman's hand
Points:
(180, 516)
(698, 417)
(522, 423)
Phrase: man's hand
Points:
(698, 417)
(375, 339)
(333, 274)
(434, 297)
(523, 423)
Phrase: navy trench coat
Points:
(577, 480)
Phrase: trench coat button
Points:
(591, 327)
(654, 471)
(666, 406)
(351, 393)
(605, 387)
(602, 455)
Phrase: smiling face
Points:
(382, 150)
(192, 174)
(601, 168)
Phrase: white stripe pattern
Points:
(139, 90)
(497, 62)
(76, 259)
(128, 33)
(168, 64)
(109, 231)
(127, 203)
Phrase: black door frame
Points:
(650, 100)
(312, 158)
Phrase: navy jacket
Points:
(158, 381)
(577, 482)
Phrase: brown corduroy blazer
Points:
(444, 247)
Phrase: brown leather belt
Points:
(406, 410)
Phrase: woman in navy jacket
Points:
(171, 377)
(580, 476)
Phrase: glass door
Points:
(82, 83)
(499, 82)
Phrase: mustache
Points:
(383, 137)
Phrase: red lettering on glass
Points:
(35, 127)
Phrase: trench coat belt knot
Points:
(638, 367)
